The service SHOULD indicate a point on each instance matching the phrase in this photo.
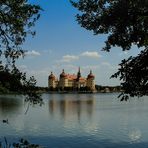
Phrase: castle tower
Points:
(90, 81)
(52, 81)
(63, 82)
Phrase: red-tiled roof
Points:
(74, 77)
(71, 77)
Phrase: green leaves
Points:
(125, 21)
(17, 17)
(133, 72)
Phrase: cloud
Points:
(69, 58)
(91, 67)
(106, 64)
(110, 66)
(91, 54)
(32, 53)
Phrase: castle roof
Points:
(90, 75)
(71, 77)
(81, 79)
(62, 75)
(52, 76)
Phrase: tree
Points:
(17, 17)
(126, 23)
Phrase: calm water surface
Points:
(77, 121)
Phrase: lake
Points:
(76, 121)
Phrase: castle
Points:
(71, 82)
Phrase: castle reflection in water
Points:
(69, 107)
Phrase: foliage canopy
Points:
(126, 23)
(17, 17)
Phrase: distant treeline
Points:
(98, 88)
(108, 88)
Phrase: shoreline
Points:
(64, 92)
(80, 92)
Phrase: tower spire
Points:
(90, 71)
(79, 73)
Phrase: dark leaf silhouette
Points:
(126, 23)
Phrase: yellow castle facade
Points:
(72, 82)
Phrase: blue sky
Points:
(60, 43)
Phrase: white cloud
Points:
(32, 53)
(92, 54)
(110, 66)
(69, 58)
(91, 67)
(106, 64)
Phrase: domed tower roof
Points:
(52, 76)
(62, 75)
(90, 75)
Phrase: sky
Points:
(61, 43)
